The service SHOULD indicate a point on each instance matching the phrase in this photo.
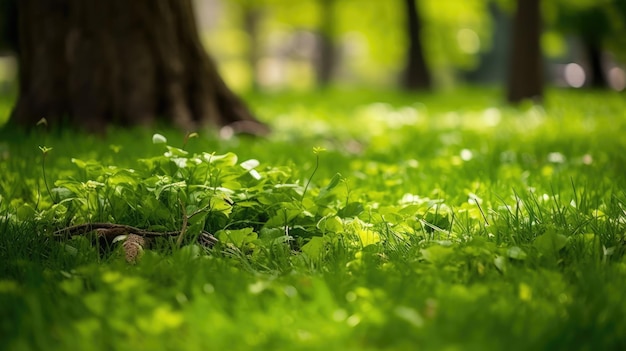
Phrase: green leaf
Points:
(170, 187)
(330, 224)
(367, 236)
(500, 263)
(180, 162)
(228, 159)
(220, 204)
(158, 139)
(409, 315)
(437, 254)
(283, 217)
(250, 164)
(231, 185)
(319, 150)
(190, 251)
(45, 149)
(61, 193)
(247, 204)
(25, 212)
(237, 237)
(174, 151)
(516, 253)
(269, 234)
(79, 163)
(409, 210)
(315, 247)
(352, 209)
(550, 243)
(334, 181)
(71, 185)
(124, 176)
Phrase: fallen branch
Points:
(110, 231)
(82, 229)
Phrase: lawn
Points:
(367, 221)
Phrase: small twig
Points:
(179, 241)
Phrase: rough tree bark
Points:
(94, 63)
(526, 63)
(417, 75)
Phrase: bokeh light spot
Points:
(575, 75)
(468, 40)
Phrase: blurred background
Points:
(310, 44)
(306, 44)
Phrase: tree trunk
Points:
(8, 26)
(252, 16)
(597, 78)
(95, 63)
(417, 76)
(326, 59)
(526, 65)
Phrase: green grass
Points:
(445, 221)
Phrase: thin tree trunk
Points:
(417, 75)
(252, 16)
(326, 59)
(120, 62)
(8, 26)
(597, 77)
(526, 65)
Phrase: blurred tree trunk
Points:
(8, 27)
(95, 63)
(417, 75)
(526, 62)
(596, 77)
(326, 59)
(252, 16)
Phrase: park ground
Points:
(367, 221)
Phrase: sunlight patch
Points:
(492, 117)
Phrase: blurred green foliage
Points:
(370, 32)
(372, 39)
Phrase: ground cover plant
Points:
(368, 220)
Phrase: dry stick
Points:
(118, 229)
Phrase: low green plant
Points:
(448, 223)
